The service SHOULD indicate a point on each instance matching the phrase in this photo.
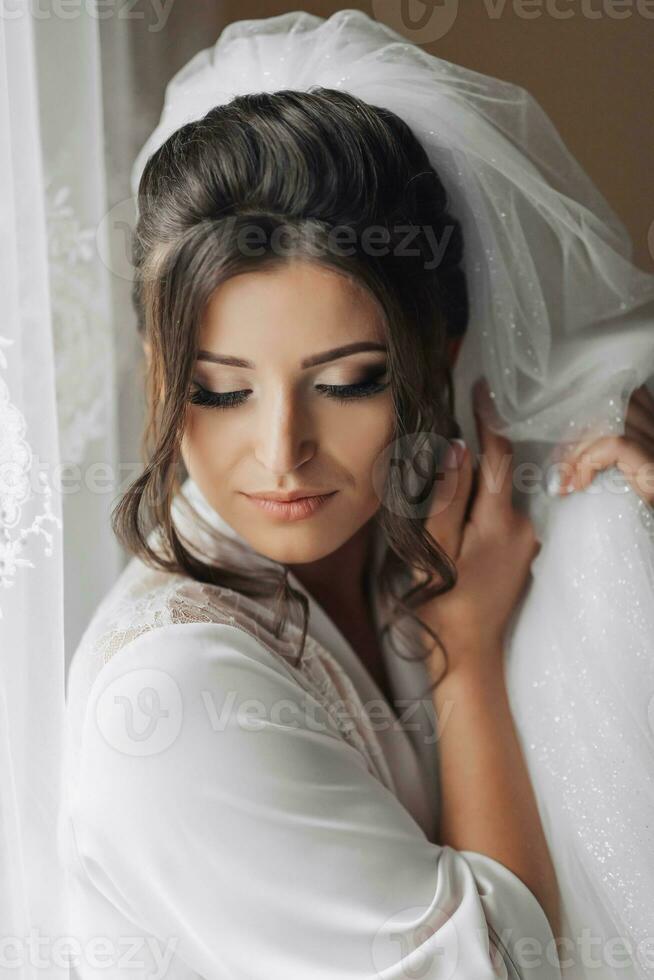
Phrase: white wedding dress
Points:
(232, 816)
(580, 671)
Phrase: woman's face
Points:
(291, 411)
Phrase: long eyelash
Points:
(345, 393)
(212, 399)
(229, 399)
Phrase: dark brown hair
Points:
(308, 161)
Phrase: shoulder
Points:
(176, 687)
(144, 599)
(212, 642)
(163, 638)
(184, 711)
(196, 652)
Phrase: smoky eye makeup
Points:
(345, 375)
(373, 384)
(368, 382)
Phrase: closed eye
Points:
(212, 399)
(343, 393)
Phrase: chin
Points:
(295, 543)
(292, 546)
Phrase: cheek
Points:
(360, 435)
(209, 441)
(353, 435)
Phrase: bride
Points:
(396, 726)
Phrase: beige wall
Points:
(592, 73)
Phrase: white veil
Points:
(561, 326)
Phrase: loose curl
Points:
(307, 162)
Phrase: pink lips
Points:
(292, 510)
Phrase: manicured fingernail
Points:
(557, 483)
(554, 481)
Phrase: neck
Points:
(339, 580)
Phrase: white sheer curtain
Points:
(58, 455)
(79, 91)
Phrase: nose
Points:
(283, 439)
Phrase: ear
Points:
(147, 350)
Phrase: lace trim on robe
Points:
(145, 599)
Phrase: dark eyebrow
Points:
(327, 355)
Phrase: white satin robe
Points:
(228, 819)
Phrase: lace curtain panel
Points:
(58, 450)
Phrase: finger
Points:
(568, 456)
(448, 506)
(495, 477)
(634, 462)
(637, 428)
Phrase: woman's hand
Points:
(493, 550)
(632, 453)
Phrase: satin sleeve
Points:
(216, 803)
